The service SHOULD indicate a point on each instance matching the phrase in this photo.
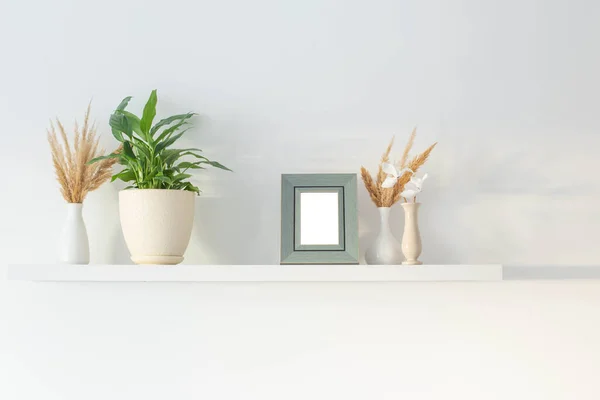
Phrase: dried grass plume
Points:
(75, 176)
(386, 197)
(408, 148)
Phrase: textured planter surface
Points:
(157, 224)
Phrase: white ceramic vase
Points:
(411, 239)
(74, 246)
(157, 224)
(386, 249)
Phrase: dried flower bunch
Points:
(387, 195)
(75, 176)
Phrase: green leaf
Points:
(134, 122)
(168, 152)
(191, 153)
(165, 179)
(170, 120)
(168, 142)
(155, 172)
(120, 122)
(126, 175)
(142, 148)
(191, 188)
(216, 165)
(118, 135)
(123, 103)
(149, 114)
(189, 165)
(113, 155)
(170, 156)
(165, 134)
(180, 177)
(127, 151)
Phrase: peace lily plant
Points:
(149, 161)
(157, 206)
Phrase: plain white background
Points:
(509, 89)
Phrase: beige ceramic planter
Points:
(157, 224)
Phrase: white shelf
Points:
(297, 273)
(254, 273)
(545, 273)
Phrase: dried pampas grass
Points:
(414, 165)
(75, 176)
(408, 148)
(386, 197)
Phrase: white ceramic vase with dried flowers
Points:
(385, 191)
(76, 179)
(74, 245)
(386, 249)
(411, 238)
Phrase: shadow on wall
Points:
(241, 227)
(493, 202)
(120, 251)
(107, 245)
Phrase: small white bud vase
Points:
(411, 239)
(386, 249)
(74, 247)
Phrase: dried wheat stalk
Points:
(408, 148)
(75, 176)
(385, 158)
(386, 197)
(370, 185)
(414, 165)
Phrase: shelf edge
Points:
(249, 273)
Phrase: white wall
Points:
(508, 88)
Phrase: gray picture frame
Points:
(292, 251)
